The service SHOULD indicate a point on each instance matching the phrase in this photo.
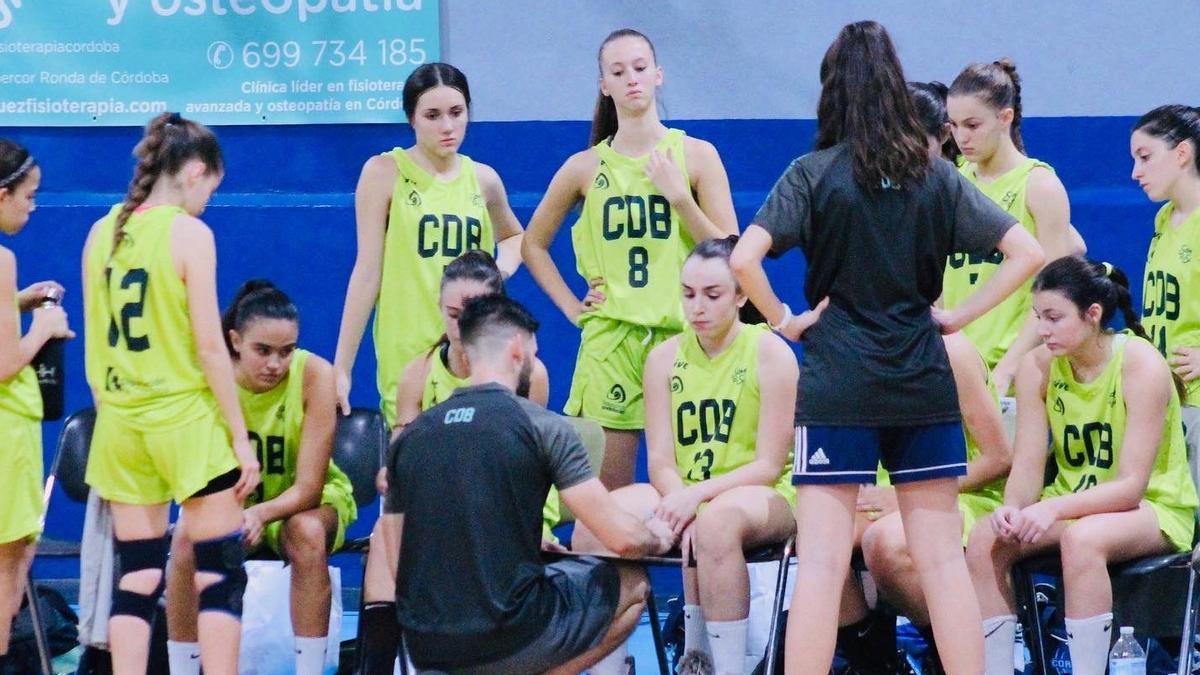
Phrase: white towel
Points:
(96, 568)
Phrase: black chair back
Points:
(70, 459)
(358, 448)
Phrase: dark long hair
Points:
(604, 117)
(929, 101)
(169, 142)
(722, 249)
(430, 75)
(997, 85)
(865, 103)
(256, 299)
(1086, 283)
(15, 164)
(475, 265)
(1173, 124)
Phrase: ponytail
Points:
(1086, 283)
(604, 117)
(256, 299)
(999, 86)
(168, 143)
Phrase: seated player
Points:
(305, 502)
(719, 401)
(1109, 403)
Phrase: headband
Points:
(18, 174)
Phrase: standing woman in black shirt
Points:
(875, 217)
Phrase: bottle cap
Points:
(51, 296)
(1126, 630)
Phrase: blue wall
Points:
(285, 211)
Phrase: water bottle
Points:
(1127, 657)
(48, 364)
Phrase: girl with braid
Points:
(1108, 402)
(21, 511)
(168, 425)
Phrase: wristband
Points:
(787, 316)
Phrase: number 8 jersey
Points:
(1087, 425)
(140, 350)
(629, 235)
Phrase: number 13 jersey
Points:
(140, 351)
(629, 235)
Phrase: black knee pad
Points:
(136, 555)
(224, 557)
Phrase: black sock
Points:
(380, 638)
(870, 644)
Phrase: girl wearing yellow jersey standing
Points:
(648, 193)
(984, 105)
(718, 398)
(1108, 402)
(1165, 145)
(426, 381)
(168, 423)
(20, 399)
(417, 209)
(305, 502)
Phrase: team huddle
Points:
(943, 275)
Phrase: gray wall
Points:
(535, 59)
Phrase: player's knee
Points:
(719, 530)
(141, 563)
(881, 546)
(304, 540)
(220, 576)
(182, 557)
(634, 585)
(1079, 550)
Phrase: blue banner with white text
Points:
(119, 62)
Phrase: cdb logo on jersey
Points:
(448, 235)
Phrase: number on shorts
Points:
(639, 272)
(130, 311)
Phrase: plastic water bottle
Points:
(48, 364)
(1127, 657)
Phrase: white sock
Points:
(1089, 641)
(728, 641)
(183, 657)
(310, 655)
(694, 637)
(999, 635)
(613, 664)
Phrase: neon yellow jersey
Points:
(275, 420)
(1170, 311)
(1087, 424)
(140, 351)
(628, 234)
(431, 222)
(715, 406)
(20, 394)
(994, 332)
(440, 383)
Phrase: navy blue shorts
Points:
(832, 455)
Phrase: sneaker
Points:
(695, 662)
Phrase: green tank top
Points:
(994, 332)
(140, 350)
(440, 383)
(628, 234)
(1087, 425)
(431, 222)
(20, 394)
(275, 420)
(1170, 313)
(715, 407)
